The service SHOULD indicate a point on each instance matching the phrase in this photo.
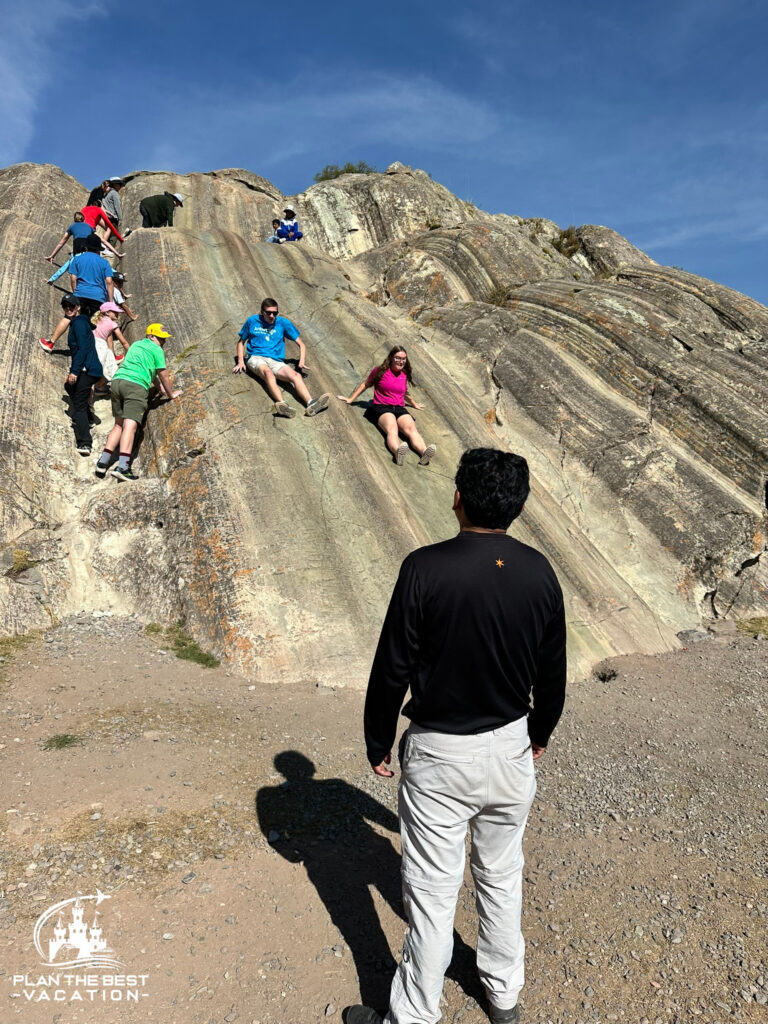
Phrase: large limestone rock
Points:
(636, 391)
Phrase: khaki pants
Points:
(448, 782)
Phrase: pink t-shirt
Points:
(391, 388)
(104, 328)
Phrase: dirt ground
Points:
(250, 857)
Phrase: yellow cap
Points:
(158, 331)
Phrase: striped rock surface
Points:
(637, 392)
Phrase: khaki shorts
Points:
(129, 400)
(274, 365)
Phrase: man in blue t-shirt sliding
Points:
(263, 338)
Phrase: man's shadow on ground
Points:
(324, 824)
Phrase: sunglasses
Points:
(270, 312)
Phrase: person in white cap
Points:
(289, 226)
(157, 211)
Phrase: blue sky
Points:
(649, 117)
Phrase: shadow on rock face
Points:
(325, 824)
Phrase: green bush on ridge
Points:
(331, 171)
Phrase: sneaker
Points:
(84, 449)
(120, 358)
(128, 231)
(361, 1015)
(283, 409)
(46, 345)
(400, 454)
(101, 468)
(504, 1016)
(317, 405)
(123, 474)
(429, 453)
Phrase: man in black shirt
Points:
(475, 628)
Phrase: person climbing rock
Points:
(98, 193)
(105, 330)
(85, 369)
(289, 226)
(275, 236)
(157, 211)
(144, 361)
(263, 338)
(390, 382)
(79, 232)
(91, 277)
(476, 629)
(94, 215)
(111, 203)
(121, 296)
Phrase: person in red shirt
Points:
(94, 215)
(390, 382)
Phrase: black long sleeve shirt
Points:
(475, 628)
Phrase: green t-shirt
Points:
(142, 361)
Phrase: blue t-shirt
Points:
(79, 229)
(91, 271)
(263, 339)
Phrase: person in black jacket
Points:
(85, 369)
(476, 629)
(157, 211)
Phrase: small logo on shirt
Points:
(499, 563)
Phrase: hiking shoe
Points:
(317, 405)
(46, 345)
(283, 409)
(428, 453)
(101, 468)
(123, 474)
(400, 454)
(504, 1016)
(83, 448)
(361, 1015)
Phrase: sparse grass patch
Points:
(753, 626)
(182, 644)
(62, 740)
(13, 644)
(499, 295)
(22, 560)
(567, 242)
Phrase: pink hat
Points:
(110, 307)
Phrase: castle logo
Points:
(81, 965)
(78, 940)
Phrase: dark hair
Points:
(493, 486)
(387, 365)
(80, 215)
(268, 302)
(93, 243)
(276, 220)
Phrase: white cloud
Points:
(283, 121)
(32, 52)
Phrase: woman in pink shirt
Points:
(390, 383)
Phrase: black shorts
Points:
(373, 412)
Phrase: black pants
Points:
(79, 392)
(89, 306)
(146, 220)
